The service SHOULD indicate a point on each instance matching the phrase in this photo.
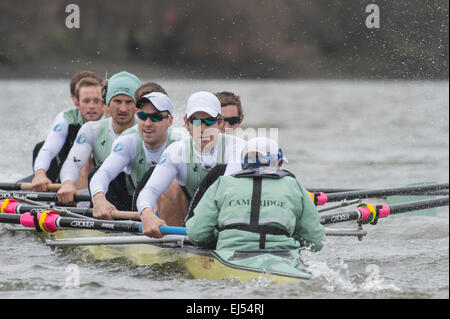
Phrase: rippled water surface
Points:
(349, 134)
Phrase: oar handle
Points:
(26, 186)
(172, 230)
(29, 187)
(118, 214)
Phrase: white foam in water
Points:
(341, 279)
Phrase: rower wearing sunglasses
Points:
(284, 217)
(95, 138)
(189, 161)
(136, 152)
(232, 114)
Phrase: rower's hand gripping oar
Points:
(50, 222)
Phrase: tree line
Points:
(252, 38)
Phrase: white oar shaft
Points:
(345, 232)
(114, 240)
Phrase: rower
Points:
(232, 114)
(260, 207)
(136, 151)
(95, 138)
(231, 119)
(49, 156)
(189, 160)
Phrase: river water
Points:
(346, 134)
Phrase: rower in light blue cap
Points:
(122, 83)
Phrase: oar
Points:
(366, 213)
(441, 192)
(51, 222)
(179, 239)
(116, 240)
(41, 197)
(24, 186)
(13, 207)
(323, 198)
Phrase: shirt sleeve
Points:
(170, 166)
(53, 143)
(80, 151)
(309, 231)
(121, 157)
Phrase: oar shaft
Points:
(53, 222)
(17, 208)
(406, 190)
(363, 213)
(340, 217)
(418, 205)
(22, 209)
(26, 186)
(440, 192)
(115, 240)
(105, 225)
(44, 197)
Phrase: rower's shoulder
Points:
(234, 139)
(66, 115)
(130, 131)
(178, 145)
(96, 124)
(178, 133)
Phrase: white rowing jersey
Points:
(56, 139)
(178, 161)
(83, 147)
(125, 150)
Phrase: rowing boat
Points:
(281, 266)
(107, 240)
(177, 249)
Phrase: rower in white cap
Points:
(260, 207)
(136, 152)
(189, 161)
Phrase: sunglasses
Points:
(233, 120)
(208, 121)
(154, 117)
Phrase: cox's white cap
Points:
(203, 102)
(263, 149)
(159, 100)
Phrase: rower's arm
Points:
(53, 143)
(165, 171)
(309, 230)
(79, 153)
(117, 161)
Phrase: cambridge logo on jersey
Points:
(82, 138)
(118, 147)
(58, 127)
(162, 159)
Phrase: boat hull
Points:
(199, 263)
